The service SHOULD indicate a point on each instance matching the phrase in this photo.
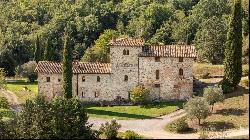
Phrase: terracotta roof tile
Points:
(127, 42)
(168, 51)
(78, 67)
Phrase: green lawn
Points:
(17, 88)
(134, 112)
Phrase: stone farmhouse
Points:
(166, 70)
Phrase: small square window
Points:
(59, 80)
(180, 59)
(83, 79)
(48, 79)
(98, 79)
(157, 85)
(157, 59)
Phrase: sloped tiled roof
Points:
(78, 67)
(168, 51)
(127, 42)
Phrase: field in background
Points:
(200, 69)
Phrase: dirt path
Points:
(12, 99)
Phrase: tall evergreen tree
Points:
(37, 54)
(67, 62)
(49, 52)
(233, 50)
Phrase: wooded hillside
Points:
(203, 23)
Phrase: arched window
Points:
(126, 78)
(98, 78)
(157, 74)
(180, 71)
(127, 52)
(124, 52)
(83, 78)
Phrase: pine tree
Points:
(37, 54)
(67, 63)
(233, 50)
(49, 52)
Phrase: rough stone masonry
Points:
(166, 70)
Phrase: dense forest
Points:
(27, 24)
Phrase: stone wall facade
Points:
(127, 71)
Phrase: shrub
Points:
(180, 125)
(2, 79)
(213, 95)
(131, 135)
(61, 118)
(197, 107)
(245, 82)
(6, 113)
(4, 103)
(140, 95)
(245, 70)
(110, 130)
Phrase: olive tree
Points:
(197, 108)
(213, 95)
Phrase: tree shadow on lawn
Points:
(218, 126)
(231, 111)
(118, 114)
(179, 104)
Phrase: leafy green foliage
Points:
(61, 118)
(139, 95)
(131, 135)
(49, 51)
(37, 53)
(179, 126)
(28, 70)
(213, 95)
(4, 103)
(245, 82)
(67, 61)
(158, 21)
(233, 50)
(100, 51)
(197, 108)
(2, 79)
(110, 130)
(245, 70)
(210, 40)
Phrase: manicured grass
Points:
(134, 112)
(17, 88)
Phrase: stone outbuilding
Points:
(166, 70)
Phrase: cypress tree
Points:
(49, 52)
(233, 50)
(67, 63)
(37, 54)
